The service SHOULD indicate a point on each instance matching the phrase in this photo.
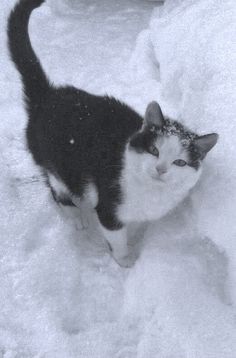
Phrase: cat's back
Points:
(76, 112)
(109, 115)
(83, 131)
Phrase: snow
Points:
(61, 293)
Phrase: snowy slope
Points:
(62, 296)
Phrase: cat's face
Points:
(166, 153)
(165, 161)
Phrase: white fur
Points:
(80, 214)
(148, 195)
(58, 186)
(90, 195)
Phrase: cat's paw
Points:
(82, 223)
(126, 261)
(80, 226)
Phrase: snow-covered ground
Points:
(62, 295)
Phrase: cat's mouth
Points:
(158, 179)
(161, 180)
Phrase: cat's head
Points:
(167, 152)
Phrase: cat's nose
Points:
(161, 170)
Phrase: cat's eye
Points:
(153, 150)
(180, 162)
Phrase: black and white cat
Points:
(99, 150)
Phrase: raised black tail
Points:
(34, 79)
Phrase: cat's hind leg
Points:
(77, 215)
(63, 198)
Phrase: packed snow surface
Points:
(62, 295)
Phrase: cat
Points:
(98, 150)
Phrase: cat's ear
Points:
(205, 143)
(153, 115)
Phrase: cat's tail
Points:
(34, 79)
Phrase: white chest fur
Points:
(146, 198)
(147, 201)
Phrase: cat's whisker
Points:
(113, 166)
(25, 181)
